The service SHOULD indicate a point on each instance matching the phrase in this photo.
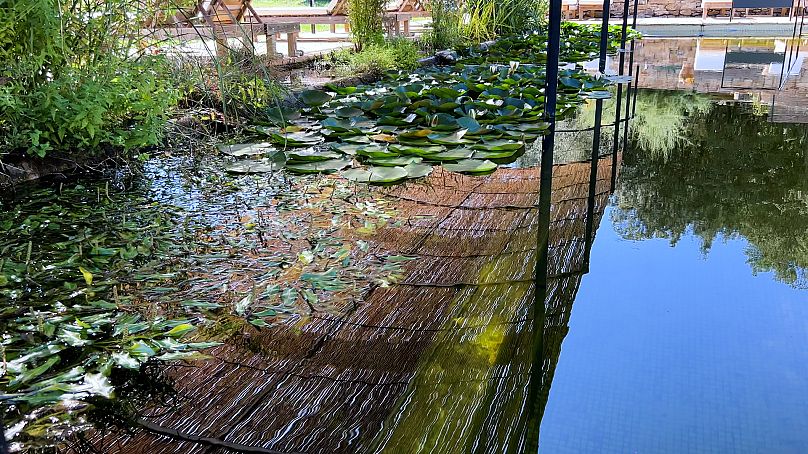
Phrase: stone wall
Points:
(661, 8)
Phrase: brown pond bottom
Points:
(439, 362)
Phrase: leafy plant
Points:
(69, 81)
(366, 19)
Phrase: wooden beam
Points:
(292, 44)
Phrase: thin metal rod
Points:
(536, 401)
(593, 173)
(636, 89)
(619, 109)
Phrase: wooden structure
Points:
(224, 19)
(399, 12)
(729, 5)
(578, 8)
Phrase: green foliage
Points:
(366, 19)
(376, 59)
(444, 31)
(70, 82)
(732, 173)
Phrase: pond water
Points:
(689, 332)
(338, 318)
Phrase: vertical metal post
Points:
(619, 106)
(593, 172)
(535, 403)
(630, 73)
(636, 89)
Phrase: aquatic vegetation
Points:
(97, 278)
(471, 116)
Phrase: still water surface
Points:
(690, 332)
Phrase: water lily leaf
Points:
(498, 145)
(28, 375)
(347, 148)
(142, 350)
(357, 139)
(95, 384)
(246, 149)
(451, 155)
(277, 162)
(375, 151)
(395, 161)
(341, 90)
(376, 175)
(282, 116)
(483, 155)
(338, 124)
(331, 165)
(472, 167)
(187, 356)
(310, 155)
(600, 94)
(295, 139)
(348, 112)
(455, 138)
(417, 170)
(314, 98)
(383, 138)
(417, 150)
(244, 303)
(570, 82)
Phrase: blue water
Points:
(672, 349)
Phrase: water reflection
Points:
(732, 174)
(771, 74)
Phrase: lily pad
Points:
(332, 165)
(246, 149)
(265, 166)
(455, 138)
(498, 145)
(348, 112)
(314, 98)
(416, 170)
(310, 155)
(396, 161)
(377, 175)
(451, 155)
(472, 167)
(295, 139)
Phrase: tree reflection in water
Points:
(735, 175)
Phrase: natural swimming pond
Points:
(409, 328)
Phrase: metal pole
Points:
(619, 109)
(630, 73)
(593, 172)
(636, 89)
(535, 403)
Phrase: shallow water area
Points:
(409, 318)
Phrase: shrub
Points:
(444, 32)
(397, 53)
(69, 80)
(366, 19)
